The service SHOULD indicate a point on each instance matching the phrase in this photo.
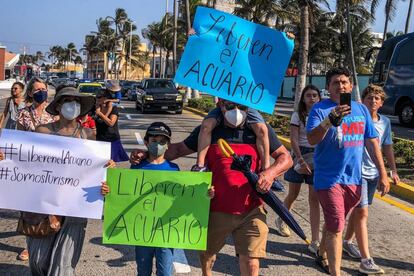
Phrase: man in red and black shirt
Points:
(236, 208)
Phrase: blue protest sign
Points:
(235, 59)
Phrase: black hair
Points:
(337, 71)
(303, 113)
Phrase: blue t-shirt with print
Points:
(165, 166)
(338, 157)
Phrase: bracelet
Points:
(326, 123)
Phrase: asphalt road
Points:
(391, 229)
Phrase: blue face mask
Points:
(40, 96)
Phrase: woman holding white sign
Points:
(58, 253)
(33, 115)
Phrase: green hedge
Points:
(404, 149)
(204, 104)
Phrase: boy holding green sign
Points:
(157, 138)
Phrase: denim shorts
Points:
(253, 116)
(293, 177)
(368, 188)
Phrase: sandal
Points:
(24, 255)
(322, 262)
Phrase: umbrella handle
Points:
(225, 148)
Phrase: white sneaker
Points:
(281, 228)
(369, 267)
(314, 247)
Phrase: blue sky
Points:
(39, 24)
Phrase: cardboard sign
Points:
(157, 208)
(52, 174)
(235, 59)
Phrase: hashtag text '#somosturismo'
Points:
(65, 158)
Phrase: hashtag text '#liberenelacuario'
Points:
(64, 158)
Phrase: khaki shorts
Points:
(249, 232)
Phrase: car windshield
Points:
(160, 84)
(90, 89)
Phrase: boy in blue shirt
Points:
(157, 138)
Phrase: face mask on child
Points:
(156, 149)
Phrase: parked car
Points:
(126, 85)
(394, 70)
(159, 95)
(91, 88)
(132, 93)
(58, 81)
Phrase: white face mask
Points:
(70, 110)
(235, 117)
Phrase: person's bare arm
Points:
(374, 151)
(316, 135)
(177, 150)
(173, 152)
(283, 161)
(389, 155)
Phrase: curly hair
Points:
(374, 89)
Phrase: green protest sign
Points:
(157, 208)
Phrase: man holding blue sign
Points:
(236, 208)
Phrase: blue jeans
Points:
(368, 188)
(163, 260)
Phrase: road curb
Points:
(196, 111)
(402, 190)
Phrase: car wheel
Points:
(179, 112)
(406, 114)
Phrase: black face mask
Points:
(40, 96)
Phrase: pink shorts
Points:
(336, 203)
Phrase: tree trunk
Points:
(351, 53)
(160, 69)
(175, 37)
(126, 68)
(384, 36)
(153, 61)
(167, 57)
(407, 21)
(303, 53)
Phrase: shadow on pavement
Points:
(127, 251)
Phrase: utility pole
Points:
(175, 38)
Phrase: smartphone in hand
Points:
(345, 99)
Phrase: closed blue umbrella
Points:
(242, 163)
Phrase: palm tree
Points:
(106, 41)
(258, 11)
(153, 32)
(390, 9)
(119, 20)
(306, 8)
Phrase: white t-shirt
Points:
(303, 140)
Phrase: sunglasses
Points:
(230, 106)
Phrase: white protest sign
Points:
(52, 174)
